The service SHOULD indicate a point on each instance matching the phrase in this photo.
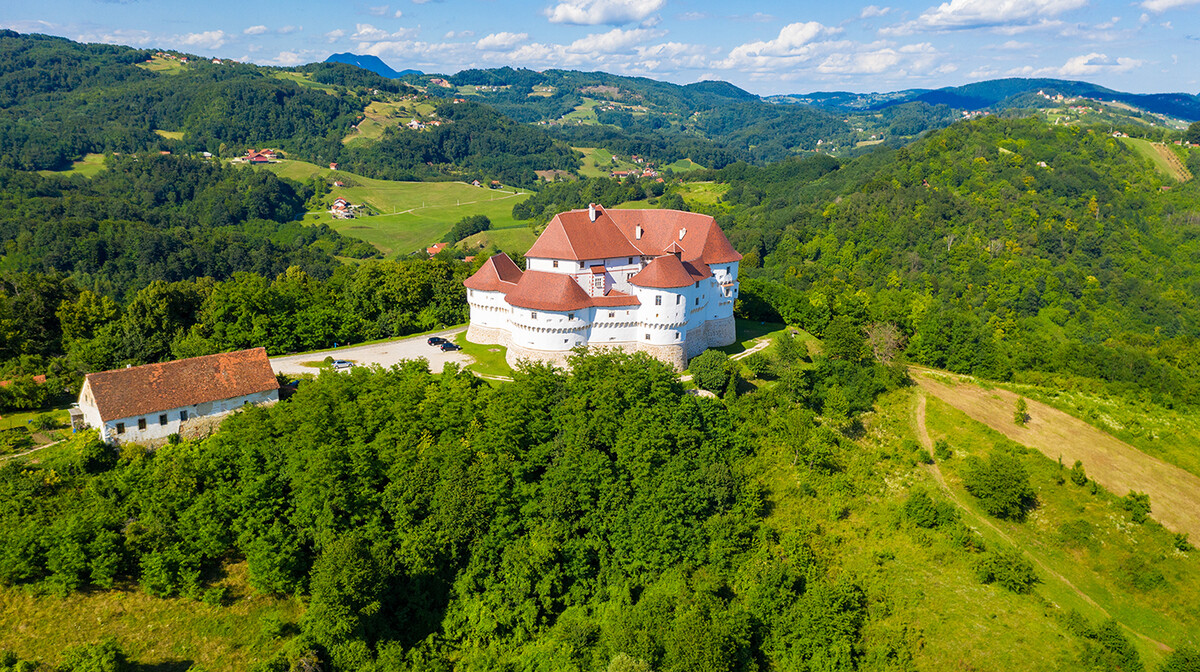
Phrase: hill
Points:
(372, 63)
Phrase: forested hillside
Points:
(999, 247)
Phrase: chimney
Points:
(637, 233)
(592, 211)
(682, 232)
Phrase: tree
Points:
(1137, 504)
(1008, 569)
(104, 656)
(886, 341)
(1192, 134)
(1078, 477)
(844, 340)
(1001, 484)
(711, 369)
(1021, 412)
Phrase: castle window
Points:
(555, 262)
(570, 316)
(533, 316)
(658, 300)
(612, 314)
(647, 337)
(697, 284)
(631, 260)
(581, 265)
(697, 300)
(678, 299)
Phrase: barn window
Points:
(183, 416)
(162, 419)
(141, 423)
(120, 428)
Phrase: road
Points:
(384, 354)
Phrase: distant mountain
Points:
(372, 63)
(998, 94)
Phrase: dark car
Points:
(435, 340)
(447, 346)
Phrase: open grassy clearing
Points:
(413, 215)
(584, 113)
(704, 193)
(684, 166)
(379, 116)
(931, 612)
(166, 66)
(160, 634)
(1170, 434)
(304, 79)
(1162, 164)
(1098, 561)
(89, 166)
(489, 359)
(517, 240)
(598, 162)
(1118, 466)
(170, 135)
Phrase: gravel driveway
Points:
(385, 354)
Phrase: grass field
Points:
(382, 115)
(413, 215)
(704, 193)
(89, 166)
(584, 113)
(684, 166)
(170, 135)
(1093, 558)
(489, 359)
(303, 79)
(166, 635)
(517, 240)
(166, 66)
(1147, 149)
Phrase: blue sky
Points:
(765, 47)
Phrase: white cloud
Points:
(288, 30)
(255, 30)
(377, 11)
(335, 34)
(288, 58)
(501, 41)
(209, 39)
(871, 11)
(398, 14)
(598, 12)
(451, 35)
(1164, 5)
(1078, 66)
(694, 16)
(614, 41)
(795, 42)
(967, 14)
(365, 32)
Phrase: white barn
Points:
(146, 404)
(658, 281)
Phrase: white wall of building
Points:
(124, 430)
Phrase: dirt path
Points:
(1118, 466)
(31, 451)
(923, 437)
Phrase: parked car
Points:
(342, 365)
(435, 340)
(447, 346)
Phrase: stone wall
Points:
(720, 333)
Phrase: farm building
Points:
(148, 403)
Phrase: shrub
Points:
(1021, 412)
(104, 656)
(1183, 659)
(1137, 504)
(757, 364)
(44, 422)
(1182, 543)
(1140, 574)
(942, 450)
(924, 457)
(923, 511)
(1001, 484)
(1008, 569)
(1077, 534)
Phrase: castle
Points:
(658, 281)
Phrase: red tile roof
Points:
(151, 388)
(435, 248)
(572, 235)
(615, 298)
(40, 379)
(668, 271)
(497, 274)
(539, 290)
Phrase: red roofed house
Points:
(187, 396)
(432, 250)
(659, 281)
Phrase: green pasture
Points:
(303, 79)
(412, 215)
(170, 135)
(515, 239)
(684, 166)
(584, 113)
(89, 166)
(166, 66)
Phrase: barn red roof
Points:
(497, 274)
(668, 271)
(151, 388)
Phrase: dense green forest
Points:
(1000, 247)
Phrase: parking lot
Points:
(385, 354)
